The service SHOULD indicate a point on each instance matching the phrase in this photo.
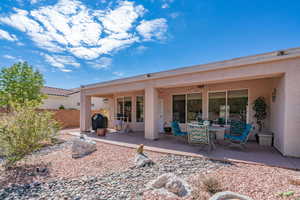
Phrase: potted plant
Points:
(260, 108)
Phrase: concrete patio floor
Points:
(253, 153)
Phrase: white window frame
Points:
(123, 111)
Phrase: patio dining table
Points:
(218, 131)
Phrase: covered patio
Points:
(223, 90)
(167, 144)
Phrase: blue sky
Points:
(77, 42)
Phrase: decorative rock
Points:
(141, 160)
(177, 186)
(82, 147)
(161, 181)
(129, 184)
(172, 184)
(227, 195)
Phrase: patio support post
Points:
(85, 112)
(292, 113)
(151, 113)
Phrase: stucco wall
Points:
(292, 110)
(71, 118)
(277, 116)
(53, 102)
(254, 90)
(71, 102)
(97, 102)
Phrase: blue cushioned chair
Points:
(237, 127)
(242, 139)
(176, 131)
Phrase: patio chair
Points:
(239, 140)
(237, 127)
(176, 131)
(199, 134)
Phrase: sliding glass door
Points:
(124, 107)
(226, 106)
(217, 106)
(187, 107)
(237, 104)
(194, 107)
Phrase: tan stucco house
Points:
(222, 89)
(69, 99)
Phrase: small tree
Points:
(20, 83)
(23, 130)
(260, 108)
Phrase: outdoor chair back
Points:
(237, 127)
(240, 139)
(199, 134)
(176, 131)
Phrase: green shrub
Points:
(61, 107)
(23, 131)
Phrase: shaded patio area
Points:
(254, 153)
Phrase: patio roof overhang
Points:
(216, 66)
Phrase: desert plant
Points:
(260, 108)
(20, 83)
(211, 185)
(203, 186)
(23, 130)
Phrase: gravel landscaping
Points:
(129, 184)
(109, 173)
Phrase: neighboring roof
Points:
(254, 59)
(58, 91)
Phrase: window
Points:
(217, 106)
(194, 107)
(139, 109)
(127, 108)
(124, 107)
(179, 108)
(228, 105)
(237, 104)
(187, 107)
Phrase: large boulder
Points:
(227, 195)
(82, 147)
(170, 184)
(141, 160)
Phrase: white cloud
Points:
(122, 18)
(166, 3)
(119, 74)
(9, 57)
(33, 1)
(101, 63)
(60, 61)
(7, 36)
(70, 27)
(140, 49)
(153, 29)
